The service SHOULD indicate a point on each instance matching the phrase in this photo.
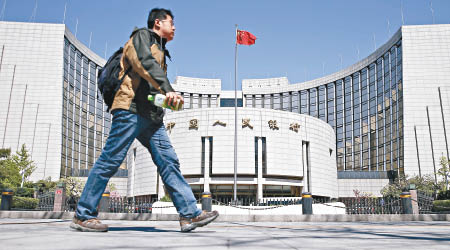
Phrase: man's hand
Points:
(173, 98)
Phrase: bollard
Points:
(406, 202)
(206, 201)
(307, 201)
(7, 195)
(103, 206)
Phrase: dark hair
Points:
(157, 13)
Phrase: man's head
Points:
(161, 22)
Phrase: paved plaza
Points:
(55, 234)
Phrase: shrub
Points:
(25, 203)
(423, 183)
(441, 205)
(74, 186)
(444, 195)
(166, 198)
(24, 192)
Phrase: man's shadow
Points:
(150, 230)
(140, 229)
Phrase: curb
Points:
(236, 218)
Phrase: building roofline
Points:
(80, 46)
(332, 77)
(83, 48)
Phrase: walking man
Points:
(143, 68)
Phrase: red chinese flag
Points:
(245, 38)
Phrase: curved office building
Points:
(388, 114)
(388, 110)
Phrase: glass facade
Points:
(364, 109)
(229, 102)
(85, 121)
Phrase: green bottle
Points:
(160, 101)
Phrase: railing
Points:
(353, 205)
(70, 204)
(425, 202)
(321, 200)
(242, 201)
(378, 205)
(130, 205)
(46, 201)
(250, 201)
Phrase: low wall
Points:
(237, 218)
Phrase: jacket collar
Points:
(160, 41)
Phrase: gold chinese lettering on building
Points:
(294, 127)
(170, 126)
(273, 125)
(246, 123)
(193, 124)
(223, 124)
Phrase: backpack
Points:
(108, 78)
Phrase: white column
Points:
(306, 173)
(260, 170)
(133, 172)
(206, 175)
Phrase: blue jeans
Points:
(127, 126)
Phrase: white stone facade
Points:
(366, 187)
(39, 63)
(31, 92)
(426, 77)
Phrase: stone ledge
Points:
(237, 218)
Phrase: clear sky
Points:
(300, 39)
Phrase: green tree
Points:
(45, 185)
(444, 172)
(9, 172)
(4, 153)
(74, 186)
(112, 187)
(424, 183)
(23, 162)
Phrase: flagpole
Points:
(235, 120)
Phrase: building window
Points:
(287, 102)
(205, 101)
(304, 98)
(313, 102)
(266, 101)
(258, 101)
(295, 102)
(187, 101)
(248, 101)
(322, 103)
(213, 101)
(229, 102)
